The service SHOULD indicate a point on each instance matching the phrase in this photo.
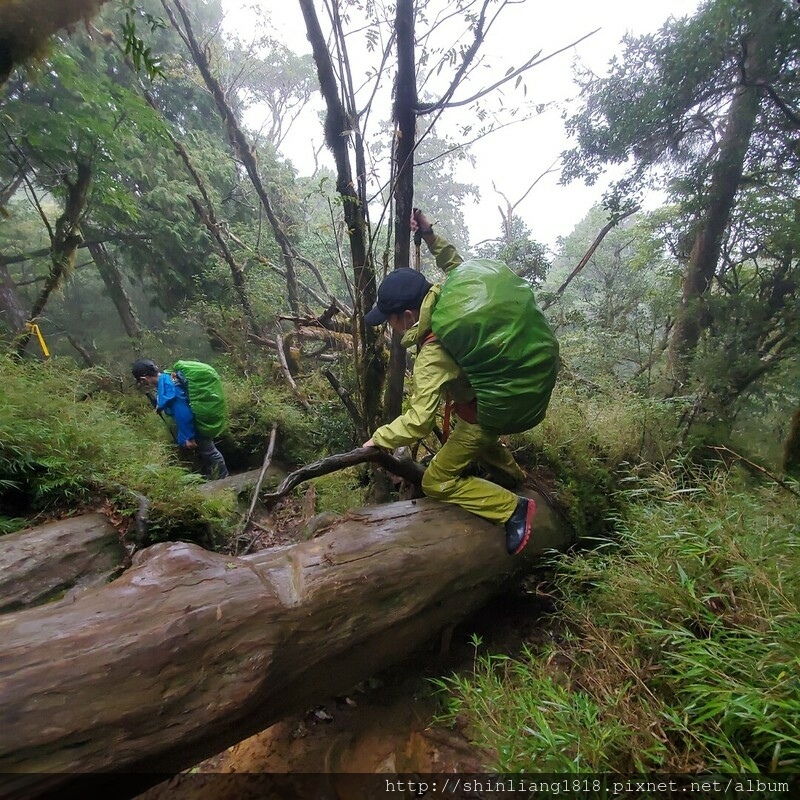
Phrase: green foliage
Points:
(587, 441)
(613, 317)
(258, 402)
(678, 648)
(141, 55)
(527, 257)
(340, 492)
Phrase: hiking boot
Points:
(518, 526)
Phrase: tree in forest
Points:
(527, 257)
(167, 205)
(410, 59)
(710, 103)
(614, 316)
(64, 138)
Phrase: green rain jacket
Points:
(436, 374)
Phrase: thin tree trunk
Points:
(791, 450)
(9, 190)
(112, 278)
(11, 306)
(587, 255)
(725, 179)
(403, 170)
(240, 145)
(370, 359)
(209, 220)
(65, 241)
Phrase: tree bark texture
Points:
(65, 240)
(405, 120)
(791, 449)
(11, 308)
(42, 563)
(189, 652)
(725, 179)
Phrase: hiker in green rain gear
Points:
(406, 300)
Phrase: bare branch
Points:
(534, 61)
(406, 468)
(613, 222)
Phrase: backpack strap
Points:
(430, 337)
(179, 378)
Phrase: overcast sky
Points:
(514, 157)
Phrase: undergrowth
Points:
(74, 440)
(588, 443)
(679, 642)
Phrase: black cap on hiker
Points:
(401, 290)
(143, 367)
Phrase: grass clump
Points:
(679, 643)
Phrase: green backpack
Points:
(206, 396)
(487, 318)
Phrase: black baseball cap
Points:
(143, 367)
(400, 290)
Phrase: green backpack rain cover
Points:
(487, 319)
(206, 396)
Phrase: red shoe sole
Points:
(528, 520)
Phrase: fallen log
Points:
(189, 652)
(44, 563)
(40, 564)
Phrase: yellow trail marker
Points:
(35, 330)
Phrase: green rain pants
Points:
(444, 479)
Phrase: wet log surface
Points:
(69, 555)
(189, 652)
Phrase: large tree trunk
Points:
(189, 651)
(725, 179)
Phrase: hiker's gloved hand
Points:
(419, 222)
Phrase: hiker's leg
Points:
(214, 466)
(444, 479)
(497, 460)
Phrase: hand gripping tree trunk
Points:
(405, 119)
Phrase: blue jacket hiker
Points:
(171, 399)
